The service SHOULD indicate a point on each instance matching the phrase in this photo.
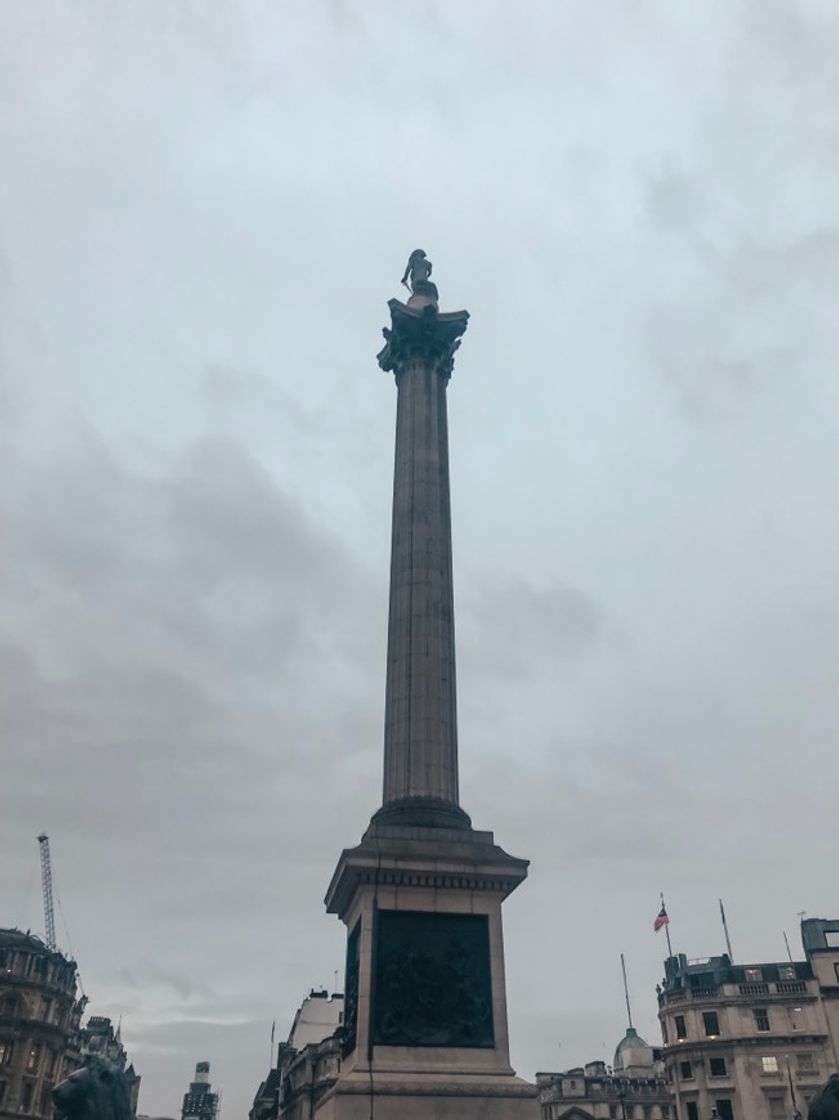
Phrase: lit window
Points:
(712, 1023)
(6, 1047)
(32, 1059)
(753, 975)
(770, 1063)
(831, 938)
(786, 972)
(761, 1019)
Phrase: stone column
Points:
(420, 768)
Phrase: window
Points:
(26, 1097)
(33, 1059)
(831, 938)
(613, 1111)
(770, 1063)
(724, 1109)
(786, 972)
(6, 1050)
(806, 1063)
(753, 975)
(836, 970)
(711, 1022)
(46, 1008)
(2, 1091)
(9, 1005)
(692, 1110)
(777, 1107)
(761, 1019)
(717, 1067)
(52, 1056)
(686, 1071)
(664, 1032)
(4, 957)
(796, 1018)
(681, 1031)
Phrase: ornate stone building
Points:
(752, 1040)
(41, 1037)
(307, 1064)
(99, 1037)
(40, 1014)
(635, 1088)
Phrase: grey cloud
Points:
(205, 209)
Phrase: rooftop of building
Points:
(633, 1050)
(319, 1015)
(711, 972)
(819, 933)
(30, 942)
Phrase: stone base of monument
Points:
(420, 1096)
(425, 999)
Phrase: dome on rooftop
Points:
(632, 1050)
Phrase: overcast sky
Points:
(205, 205)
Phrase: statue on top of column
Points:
(417, 273)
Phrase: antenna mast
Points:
(626, 992)
(46, 882)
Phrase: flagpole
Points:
(626, 992)
(667, 927)
(725, 929)
(786, 942)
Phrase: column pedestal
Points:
(426, 1009)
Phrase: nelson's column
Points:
(426, 1012)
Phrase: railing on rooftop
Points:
(778, 988)
(791, 987)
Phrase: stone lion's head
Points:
(97, 1091)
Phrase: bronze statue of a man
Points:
(418, 270)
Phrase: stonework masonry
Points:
(754, 1040)
(40, 1015)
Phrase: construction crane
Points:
(46, 882)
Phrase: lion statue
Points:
(825, 1104)
(97, 1091)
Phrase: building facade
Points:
(200, 1102)
(756, 1040)
(40, 1016)
(635, 1088)
(99, 1038)
(307, 1064)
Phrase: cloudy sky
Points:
(204, 207)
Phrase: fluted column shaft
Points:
(420, 699)
(420, 771)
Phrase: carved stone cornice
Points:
(421, 334)
(424, 858)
